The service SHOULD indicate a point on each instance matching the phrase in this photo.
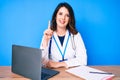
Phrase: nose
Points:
(63, 17)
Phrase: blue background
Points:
(22, 22)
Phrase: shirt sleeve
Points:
(44, 54)
(81, 56)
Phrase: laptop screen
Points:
(26, 61)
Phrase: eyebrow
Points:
(62, 12)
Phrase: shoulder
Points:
(77, 35)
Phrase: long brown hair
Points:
(71, 24)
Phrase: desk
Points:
(6, 74)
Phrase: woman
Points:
(62, 45)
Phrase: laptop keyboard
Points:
(48, 73)
(44, 76)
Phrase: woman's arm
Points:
(52, 64)
(44, 45)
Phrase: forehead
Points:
(63, 9)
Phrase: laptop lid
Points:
(26, 61)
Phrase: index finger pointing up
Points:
(49, 24)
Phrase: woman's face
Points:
(62, 17)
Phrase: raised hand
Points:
(48, 32)
(47, 35)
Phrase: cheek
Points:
(57, 18)
(67, 19)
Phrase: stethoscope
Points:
(73, 46)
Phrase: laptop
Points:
(26, 61)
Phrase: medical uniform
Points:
(72, 52)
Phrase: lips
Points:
(62, 21)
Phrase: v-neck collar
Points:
(58, 41)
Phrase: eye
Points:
(60, 13)
(67, 15)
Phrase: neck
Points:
(61, 31)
